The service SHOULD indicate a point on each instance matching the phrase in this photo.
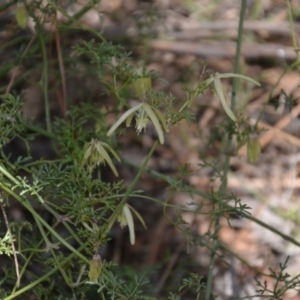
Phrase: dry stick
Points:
(283, 28)
(287, 81)
(226, 49)
(273, 130)
(15, 71)
(220, 29)
(267, 137)
(279, 134)
(13, 247)
(259, 183)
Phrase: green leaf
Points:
(138, 216)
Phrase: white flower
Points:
(95, 153)
(143, 113)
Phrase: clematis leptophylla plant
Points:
(216, 79)
(125, 218)
(96, 153)
(143, 112)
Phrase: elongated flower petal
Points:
(129, 119)
(87, 151)
(161, 119)
(129, 220)
(95, 153)
(227, 75)
(220, 93)
(106, 157)
(138, 215)
(219, 89)
(123, 118)
(155, 122)
(109, 148)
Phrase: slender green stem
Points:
(8, 175)
(50, 246)
(293, 33)
(294, 37)
(41, 279)
(238, 54)
(27, 261)
(188, 189)
(166, 178)
(73, 234)
(37, 217)
(223, 185)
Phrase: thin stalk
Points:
(17, 69)
(27, 261)
(73, 234)
(41, 279)
(223, 185)
(39, 219)
(166, 178)
(238, 54)
(189, 190)
(290, 15)
(293, 33)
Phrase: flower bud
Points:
(253, 148)
(95, 267)
(141, 85)
(21, 15)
